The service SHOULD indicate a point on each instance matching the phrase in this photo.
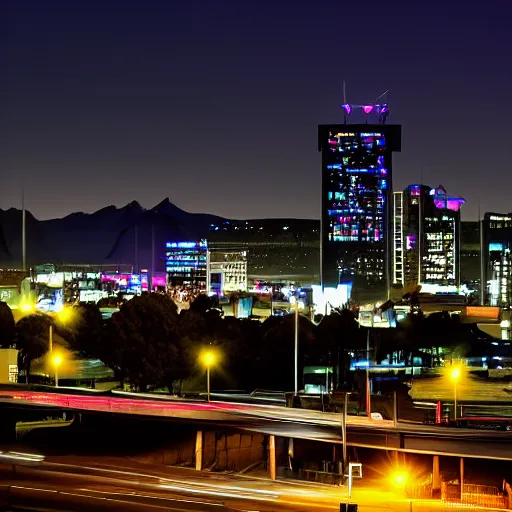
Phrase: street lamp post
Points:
(208, 359)
(57, 360)
(297, 305)
(455, 375)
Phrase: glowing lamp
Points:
(399, 478)
(208, 359)
(384, 109)
(57, 360)
(455, 374)
(26, 307)
(347, 108)
(367, 109)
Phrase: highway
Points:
(285, 422)
(76, 484)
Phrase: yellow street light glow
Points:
(455, 374)
(208, 358)
(26, 307)
(57, 360)
(399, 478)
(64, 315)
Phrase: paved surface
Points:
(79, 483)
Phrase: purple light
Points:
(410, 242)
(347, 108)
(367, 109)
(384, 109)
(451, 203)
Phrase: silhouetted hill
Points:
(110, 235)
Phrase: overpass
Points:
(271, 420)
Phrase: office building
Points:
(497, 260)
(470, 263)
(356, 203)
(186, 264)
(227, 270)
(426, 244)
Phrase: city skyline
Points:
(106, 106)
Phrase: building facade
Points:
(356, 218)
(497, 258)
(186, 264)
(426, 244)
(227, 269)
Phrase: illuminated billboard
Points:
(186, 263)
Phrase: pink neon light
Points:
(367, 109)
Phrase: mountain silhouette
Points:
(110, 235)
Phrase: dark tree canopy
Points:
(32, 339)
(142, 342)
(7, 326)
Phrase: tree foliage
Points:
(32, 339)
(7, 326)
(142, 344)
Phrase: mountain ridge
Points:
(110, 235)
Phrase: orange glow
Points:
(399, 478)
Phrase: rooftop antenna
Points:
(383, 95)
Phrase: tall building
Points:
(356, 204)
(426, 245)
(497, 258)
(470, 262)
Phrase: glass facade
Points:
(356, 204)
(357, 185)
(186, 263)
(427, 240)
(497, 247)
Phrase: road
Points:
(286, 422)
(83, 483)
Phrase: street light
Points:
(56, 361)
(298, 304)
(455, 376)
(64, 316)
(208, 359)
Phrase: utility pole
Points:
(23, 231)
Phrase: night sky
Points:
(216, 104)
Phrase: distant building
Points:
(277, 249)
(497, 260)
(356, 204)
(470, 264)
(426, 230)
(186, 263)
(227, 269)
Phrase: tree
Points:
(32, 339)
(85, 330)
(142, 344)
(7, 326)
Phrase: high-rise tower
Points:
(356, 203)
(426, 245)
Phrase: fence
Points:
(477, 495)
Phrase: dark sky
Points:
(216, 103)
